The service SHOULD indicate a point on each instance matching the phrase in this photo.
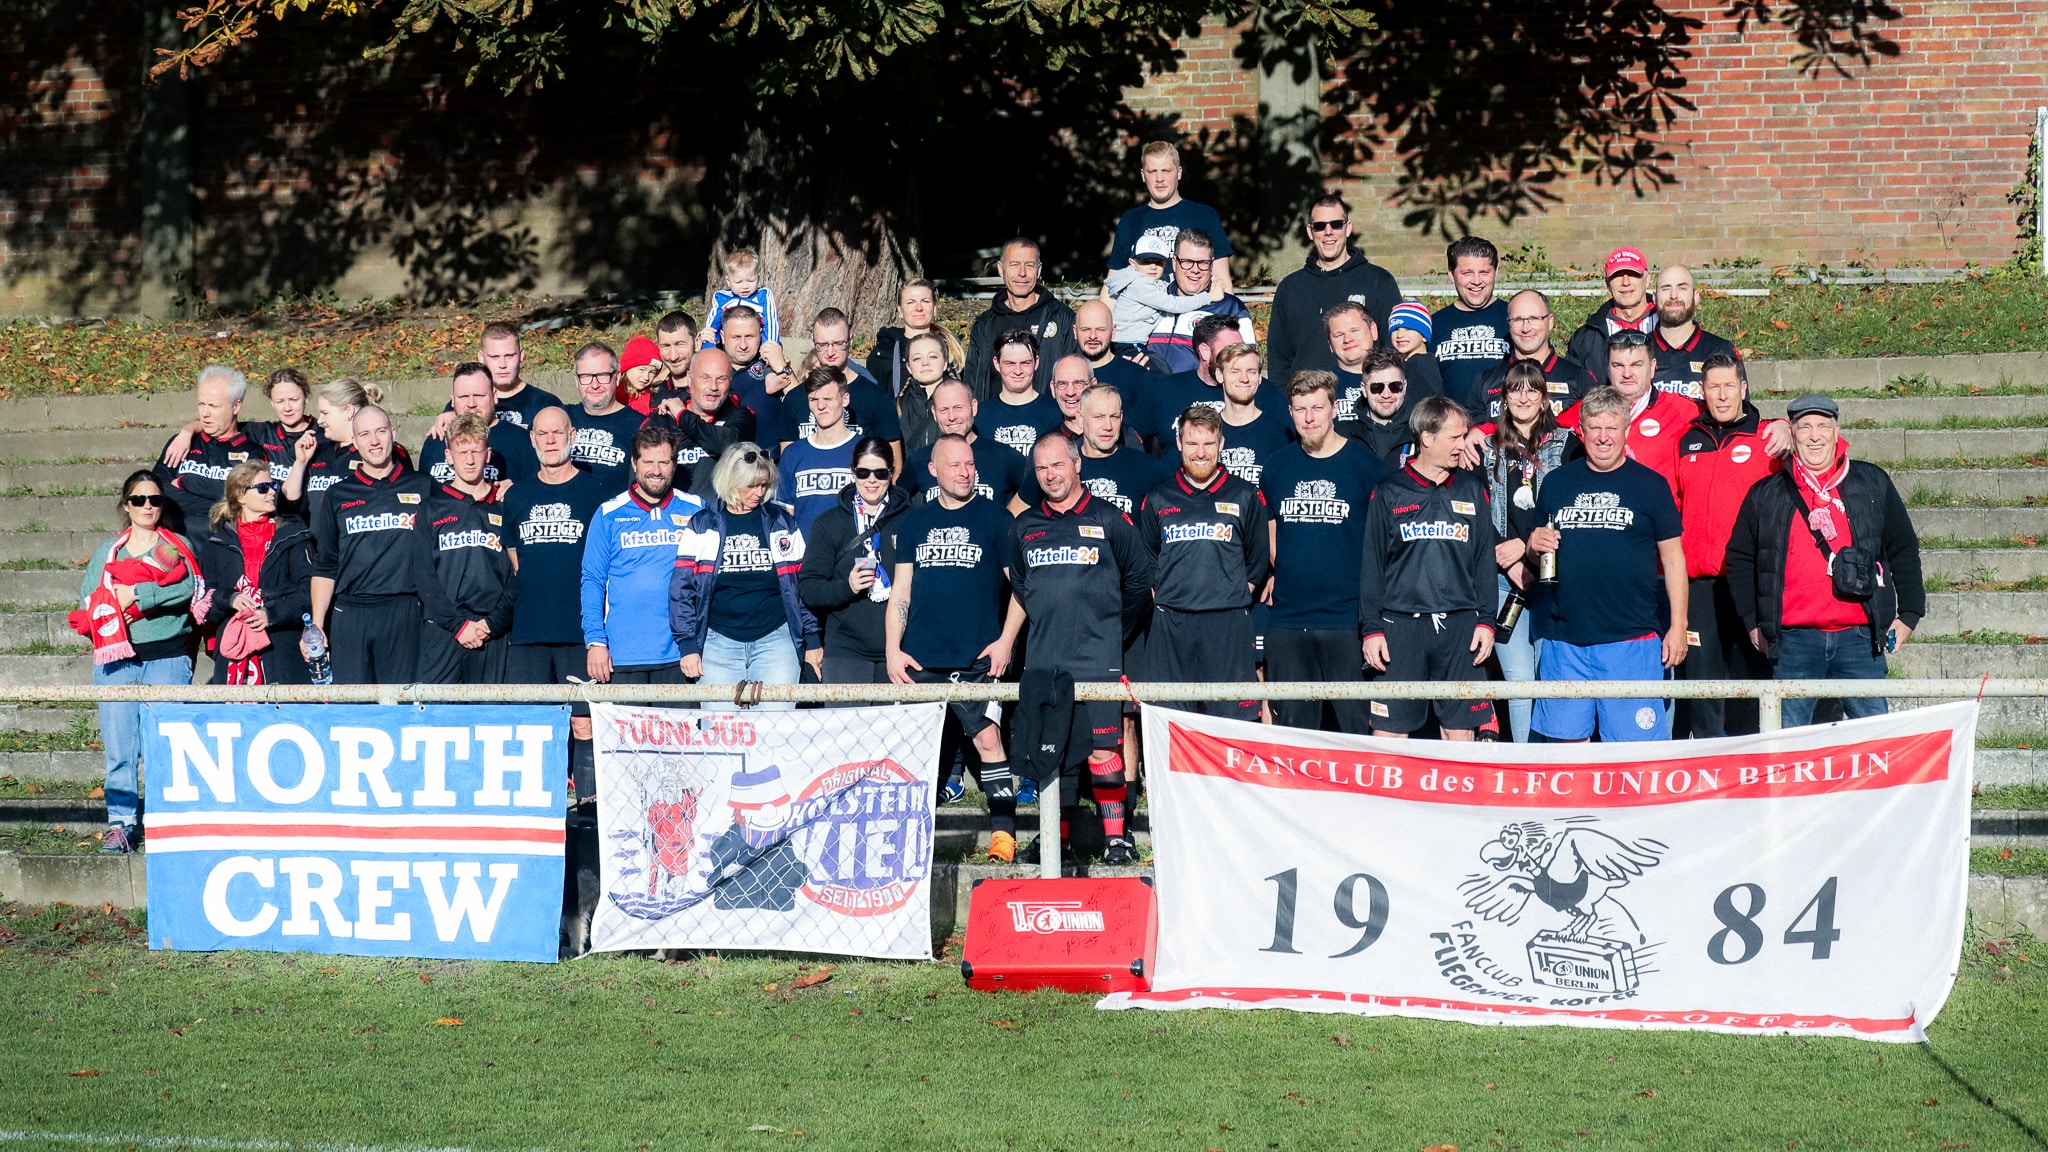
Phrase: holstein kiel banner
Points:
(807, 830)
(400, 831)
(1812, 881)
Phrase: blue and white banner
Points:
(360, 829)
(806, 830)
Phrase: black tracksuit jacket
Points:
(464, 572)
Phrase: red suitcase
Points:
(1078, 935)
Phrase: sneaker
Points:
(116, 840)
(1002, 848)
(1120, 850)
(1027, 792)
(951, 791)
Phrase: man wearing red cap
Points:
(1627, 309)
(605, 427)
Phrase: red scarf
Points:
(255, 537)
(103, 621)
(1824, 492)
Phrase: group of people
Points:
(1132, 488)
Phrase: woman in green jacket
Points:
(137, 596)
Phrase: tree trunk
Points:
(164, 159)
(1290, 133)
(825, 236)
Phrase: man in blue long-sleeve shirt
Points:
(628, 558)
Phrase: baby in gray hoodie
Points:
(1139, 294)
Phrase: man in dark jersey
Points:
(945, 621)
(195, 481)
(1679, 348)
(604, 426)
(999, 472)
(1081, 576)
(1316, 493)
(1206, 532)
(1426, 589)
(465, 579)
(366, 561)
(509, 454)
(1530, 324)
(1018, 410)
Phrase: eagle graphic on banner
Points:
(1576, 871)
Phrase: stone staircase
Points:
(1974, 469)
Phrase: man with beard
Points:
(1384, 426)
(509, 454)
(1679, 345)
(629, 557)
(1094, 327)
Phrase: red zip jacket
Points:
(1717, 465)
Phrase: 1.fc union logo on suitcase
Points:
(1043, 917)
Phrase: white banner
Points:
(1810, 881)
(805, 830)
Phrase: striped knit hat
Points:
(1410, 315)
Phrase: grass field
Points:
(110, 1046)
(392, 340)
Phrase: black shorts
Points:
(443, 660)
(375, 641)
(548, 664)
(972, 715)
(1204, 647)
(1437, 648)
(1105, 722)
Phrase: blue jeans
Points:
(772, 659)
(1517, 662)
(1811, 654)
(121, 729)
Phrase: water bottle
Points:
(316, 651)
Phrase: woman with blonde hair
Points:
(257, 569)
(733, 602)
(327, 451)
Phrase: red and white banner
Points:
(1809, 881)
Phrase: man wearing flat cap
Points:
(1823, 564)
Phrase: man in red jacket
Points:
(1720, 457)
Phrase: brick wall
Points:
(1907, 160)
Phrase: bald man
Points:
(1093, 327)
(1680, 347)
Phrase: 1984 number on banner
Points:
(1813, 880)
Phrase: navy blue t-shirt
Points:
(998, 472)
(1165, 223)
(1017, 426)
(1122, 478)
(511, 455)
(1318, 510)
(811, 478)
(523, 407)
(1466, 344)
(1130, 377)
(544, 526)
(746, 599)
(869, 412)
(1248, 448)
(956, 589)
(750, 388)
(604, 444)
(1608, 587)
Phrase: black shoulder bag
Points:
(1855, 571)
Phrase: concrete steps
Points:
(35, 589)
(68, 767)
(1990, 485)
(38, 670)
(1991, 565)
(1890, 446)
(1951, 613)
(1938, 524)
(67, 548)
(1857, 412)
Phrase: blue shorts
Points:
(1618, 720)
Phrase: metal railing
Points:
(1769, 693)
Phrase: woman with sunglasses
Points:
(137, 597)
(848, 555)
(733, 604)
(1522, 447)
(258, 570)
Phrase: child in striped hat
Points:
(1408, 328)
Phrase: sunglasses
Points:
(870, 473)
(1327, 225)
(144, 501)
(750, 457)
(265, 487)
(1382, 387)
(1628, 338)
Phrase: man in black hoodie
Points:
(1628, 308)
(1335, 272)
(1021, 303)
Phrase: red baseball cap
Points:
(1626, 260)
(639, 351)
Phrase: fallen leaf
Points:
(1781, 326)
(813, 979)
(1441, 1148)
(449, 1022)
(770, 988)
(426, 979)
(330, 971)
(1492, 1087)
(106, 907)
(1931, 1102)
(854, 1012)
(2004, 854)
(1342, 1039)
(1647, 1092)
(86, 1072)
(1004, 1023)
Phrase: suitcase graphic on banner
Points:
(1077, 935)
